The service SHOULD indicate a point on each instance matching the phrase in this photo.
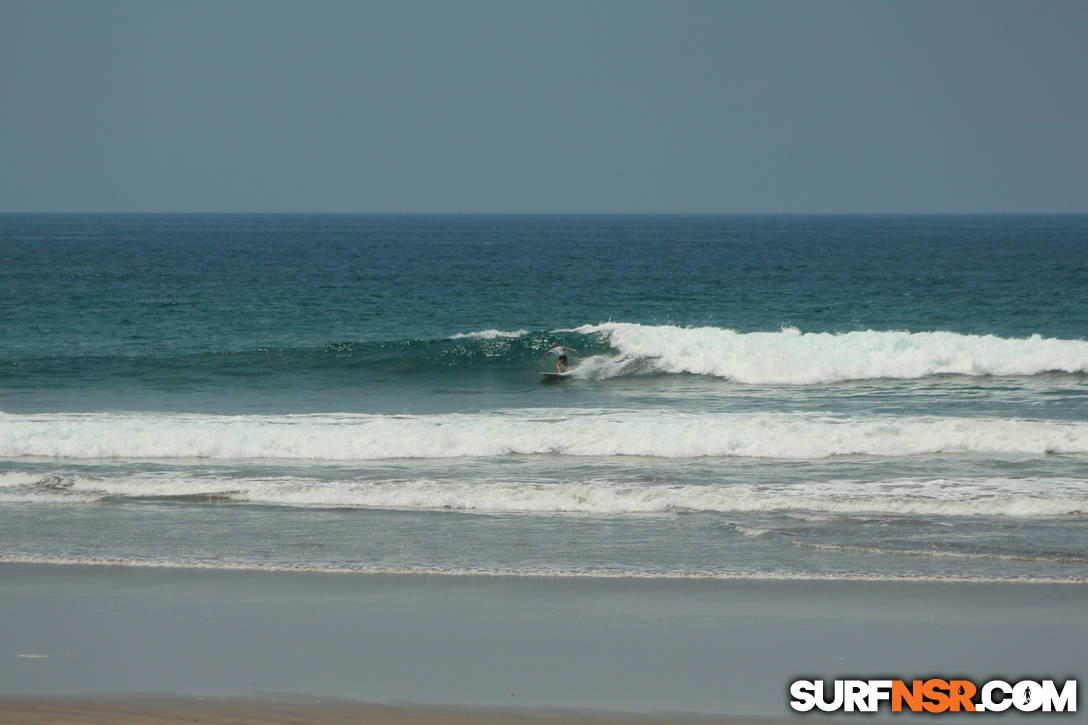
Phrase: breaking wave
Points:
(612, 349)
(790, 356)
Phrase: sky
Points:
(505, 106)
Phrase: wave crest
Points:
(614, 349)
(790, 356)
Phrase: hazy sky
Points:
(546, 106)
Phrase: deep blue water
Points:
(140, 285)
(766, 395)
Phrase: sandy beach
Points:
(719, 648)
(163, 710)
(600, 362)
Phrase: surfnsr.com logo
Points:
(933, 695)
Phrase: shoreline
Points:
(543, 574)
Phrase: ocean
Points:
(769, 397)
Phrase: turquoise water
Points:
(861, 396)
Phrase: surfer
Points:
(561, 351)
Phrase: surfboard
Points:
(551, 377)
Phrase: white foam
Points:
(667, 434)
(794, 357)
(901, 497)
(548, 573)
(1069, 558)
(490, 334)
(967, 497)
(11, 479)
(23, 487)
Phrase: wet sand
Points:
(172, 710)
(722, 648)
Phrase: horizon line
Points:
(535, 213)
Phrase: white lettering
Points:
(803, 693)
(879, 690)
(835, 703)
(1027, 696)
(1064, 701)
(856, 695)
(988, 701)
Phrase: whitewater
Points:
(790, 356)
(538, 431)
(980, 497)
(860, 398)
